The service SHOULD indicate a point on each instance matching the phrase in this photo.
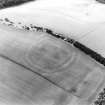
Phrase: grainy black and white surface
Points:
(25, 81)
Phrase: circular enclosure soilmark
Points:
(49, 57)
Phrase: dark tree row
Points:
(101, 1)
(11, 3)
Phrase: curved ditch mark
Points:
(96, 56)
(29, 69)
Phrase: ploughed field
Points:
(39, 69)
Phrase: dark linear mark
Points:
(90, 52)
(29, 69)
(11, 3)
(76, 44)
(80, 46)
